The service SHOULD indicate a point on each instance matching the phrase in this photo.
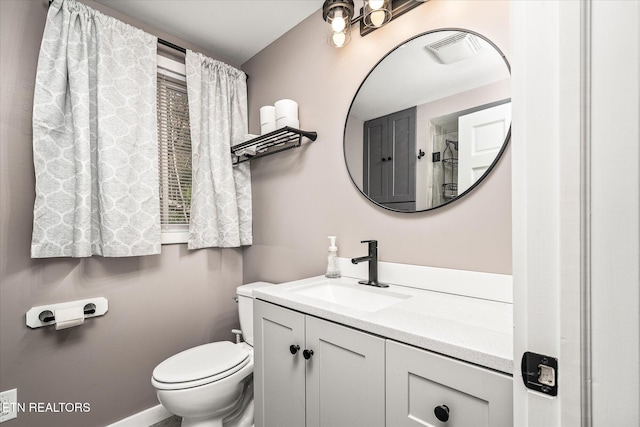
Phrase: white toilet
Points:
(211, 385)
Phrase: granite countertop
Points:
(475, 330)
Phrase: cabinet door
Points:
(401, 157)
(419, 381)
(345, 377)
(389, 159)
(279, 376)
(374, 159)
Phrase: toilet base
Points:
(201, 422)
(246, 420)
(241, 416)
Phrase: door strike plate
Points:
(540, 373)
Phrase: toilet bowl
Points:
(211, 385)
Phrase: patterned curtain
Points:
(221, 193)
(94, 137)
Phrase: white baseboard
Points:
(144, 418)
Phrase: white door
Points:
(481, 135)
(576, 201)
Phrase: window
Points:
(174, 140)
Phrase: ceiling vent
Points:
(454, 48)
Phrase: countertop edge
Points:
(474, 356)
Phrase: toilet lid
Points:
(200, 362)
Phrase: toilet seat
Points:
(200, 365)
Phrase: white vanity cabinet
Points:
(340, 384)
(465, 395)
(278, 376)
(383, 357)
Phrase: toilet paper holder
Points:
(44, 315)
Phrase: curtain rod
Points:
(171, 45)
(166, 43)
(161, 41)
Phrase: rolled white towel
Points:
(268, 127)
(267, 114)
(287, 121)
(250, 150)
(286, 108)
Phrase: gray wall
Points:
(163, 304)
(304, 195)
(159, 305)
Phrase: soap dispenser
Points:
(333, 272)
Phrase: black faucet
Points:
(373, 265)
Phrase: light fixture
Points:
(373, 15)
(338, 14)
(376, 13)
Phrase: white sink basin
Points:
(361, 298)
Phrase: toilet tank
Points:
(245, 308)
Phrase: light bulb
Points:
(376, 4)
(338, 23)
(339, 39)
(377, 17)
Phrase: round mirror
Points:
(430, 121)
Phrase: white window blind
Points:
(174, 139)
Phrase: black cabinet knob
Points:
(307, 354)
(384, 160)
(294, 348)
(389, 158)
(442, 413)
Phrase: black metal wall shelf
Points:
(274, 142)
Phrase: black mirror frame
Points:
(507, 138)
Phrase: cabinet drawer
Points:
(419, 381)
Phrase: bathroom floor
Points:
(169, 422)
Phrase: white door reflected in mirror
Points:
(481, 135)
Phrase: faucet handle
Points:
(373, 245)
